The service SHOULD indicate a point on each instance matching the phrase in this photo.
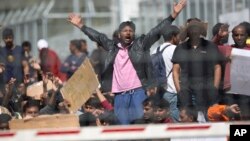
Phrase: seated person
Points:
(162, 112)
(188, 114)
(224, 112)
(148, 111)
(31, 109)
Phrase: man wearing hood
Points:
(197, 70)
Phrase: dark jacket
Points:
(139, 53)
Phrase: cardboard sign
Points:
(80, 86)
(240, 66)
(36, 90)
(46, 121)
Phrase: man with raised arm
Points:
(128, 68)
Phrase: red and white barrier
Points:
(150, 131)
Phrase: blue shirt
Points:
(71, 64)
(12, 58)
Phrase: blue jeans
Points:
(128, 105)
(172, 99)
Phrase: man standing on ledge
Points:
(128, 69)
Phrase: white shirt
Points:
(167, 56)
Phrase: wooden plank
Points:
(46, 121)
(80, 86)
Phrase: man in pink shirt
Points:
(128, 68)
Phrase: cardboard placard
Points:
(80, 86)
(36, 90)
(239, 72)
(46, 121)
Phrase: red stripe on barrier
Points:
(188, 127)
(45, 133)
(7, 134)
(113, 130)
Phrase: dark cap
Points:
(195, 27)
(5, 118)
(7, 32)
(127, 23)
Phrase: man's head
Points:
(161, 111)
(26, 45)
(92, 105)
(148, 108)
(188, 114)
(8, 37)
(247, 26)
(21, 89)
(239, 36)
(126, 32)
(194, 30)
(75, 46)
(31, 108)
(200, 23)
(171, 34)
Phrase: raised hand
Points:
(10, 85)
(56, 83)
(35, 64)
(178, 8)
(223, 30)
(76, 20)
(234, 108)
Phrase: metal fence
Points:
(208, 10)
(47, 18)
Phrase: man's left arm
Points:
(154, 34)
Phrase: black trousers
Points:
(199, 95)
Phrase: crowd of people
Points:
(197, 74)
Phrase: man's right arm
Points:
(94, 35)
